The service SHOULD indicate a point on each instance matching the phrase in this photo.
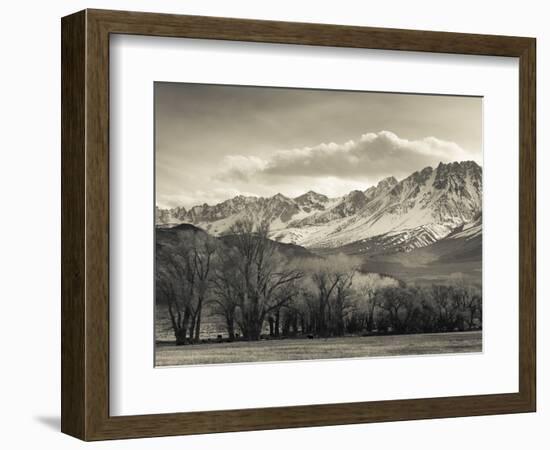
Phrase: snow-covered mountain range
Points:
(419, 210)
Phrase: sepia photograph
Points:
(298, 224)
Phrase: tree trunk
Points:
(277, 320)
(321, 320)
(180, 334)
(286, 325)
(270, 320)
(192, 330)
(230, 328)
(254, 332)
(294, 324)
(181, 331)
(198, 324)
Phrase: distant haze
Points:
(213, 142)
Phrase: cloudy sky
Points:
(213, 142)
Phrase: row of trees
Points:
(257, 291)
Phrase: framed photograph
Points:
(273, 225)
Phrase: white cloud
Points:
(372, 156)
(241, 167)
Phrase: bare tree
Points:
(341, 301)
(175, 284)
(468, 298)
(366, 291)
(326, 283)
(398, 302)
(331, 283)
(201, 256)
(264, 282)
(225, 292)
(447, 306)
(183, 272)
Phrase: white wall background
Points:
(30, 226)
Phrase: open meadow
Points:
(306, 349)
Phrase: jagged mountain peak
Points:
(387, 182)
(355, 194)
(416, 211)
(382, 187)
(310, 196)
(458, 167)
(280, 196)
(467, 163)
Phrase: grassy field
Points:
(302, 349)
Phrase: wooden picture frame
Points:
(85, 224)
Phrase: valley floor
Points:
(305, 349)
